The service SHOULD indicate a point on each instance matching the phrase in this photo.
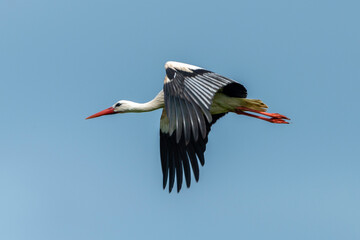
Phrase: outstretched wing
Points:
(186, 119)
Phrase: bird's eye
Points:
(117, 105)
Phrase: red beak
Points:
(107, 111)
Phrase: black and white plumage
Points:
(193, 99)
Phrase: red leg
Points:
(275, 117)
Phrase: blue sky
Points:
(62, 177)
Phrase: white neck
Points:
(156, 103)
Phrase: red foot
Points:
(275, 117)
(276, 120)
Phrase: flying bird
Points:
(192, 100)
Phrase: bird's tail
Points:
(254, 104)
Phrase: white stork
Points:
(192, 99)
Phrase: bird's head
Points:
(121, 106)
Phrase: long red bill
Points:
(107, 111)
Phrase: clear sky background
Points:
(62, 177)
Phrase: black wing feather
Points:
(175, 156)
